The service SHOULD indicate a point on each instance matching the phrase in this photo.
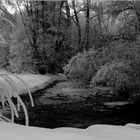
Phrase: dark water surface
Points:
(65, 111)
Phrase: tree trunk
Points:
(68, 14)
(86, 39)
(78, 27)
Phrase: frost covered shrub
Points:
(82, 67)
(121, 76)
(85, 65)
(121, 51)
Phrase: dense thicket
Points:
(46, 36)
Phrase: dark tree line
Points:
(49, 33)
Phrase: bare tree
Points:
(87, 24)
(77, 22)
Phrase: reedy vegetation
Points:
(8, 90)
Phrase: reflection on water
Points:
(75, 108)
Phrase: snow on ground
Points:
(33, 81)
(10, 131)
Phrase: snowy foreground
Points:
(10, 131)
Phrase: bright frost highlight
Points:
(96, 132)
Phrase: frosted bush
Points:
(121, 76)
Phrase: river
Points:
(55, 107)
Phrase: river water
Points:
(54, 109)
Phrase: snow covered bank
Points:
(10, 131)
(33, 81)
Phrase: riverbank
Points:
(33, 81)
(94, 132)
